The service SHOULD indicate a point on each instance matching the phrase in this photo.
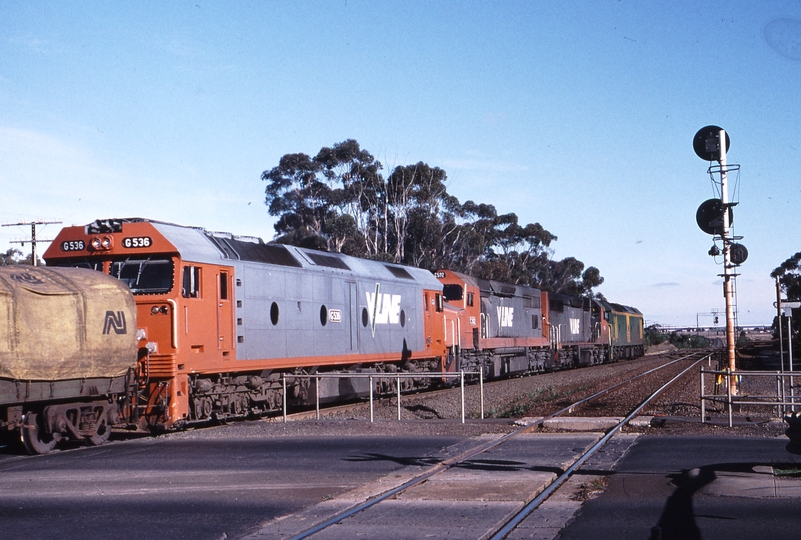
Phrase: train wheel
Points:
(34, 437)
(102, 433)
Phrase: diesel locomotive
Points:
(149, 325)
(508, 330)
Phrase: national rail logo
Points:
(116, 322)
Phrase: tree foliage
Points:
(789, 274)
(340, 200)
(12, 256)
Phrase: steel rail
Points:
(572, 406)
(557, 483)
(447, 464)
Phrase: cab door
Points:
(225, 312)
(427, 318)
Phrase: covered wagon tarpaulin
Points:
(64, 323)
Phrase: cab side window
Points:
(190, 284)
(223, 285)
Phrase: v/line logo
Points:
(383, 308)
(506, 316)
(575, 326)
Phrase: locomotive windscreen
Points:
(452, 292)
(145, 276)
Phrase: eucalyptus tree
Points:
(789, 274)
(340, 201)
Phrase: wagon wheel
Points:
(34, 436)
(102, 433)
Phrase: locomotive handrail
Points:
(174, 323)
(398, 376)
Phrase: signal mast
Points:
(715, 217)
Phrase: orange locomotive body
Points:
(221, 320)
(493, 326)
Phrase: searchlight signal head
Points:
(738, 254)
(709, 216)
(706, 143)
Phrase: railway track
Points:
(502, 529)
(386, 405)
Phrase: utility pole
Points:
(34, 240)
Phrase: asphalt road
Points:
(674, 483)
(192, 487)
(229, 482)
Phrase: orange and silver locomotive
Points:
(220, 317)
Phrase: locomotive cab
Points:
(183, 309)
(463, 315)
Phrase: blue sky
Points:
(576, 115)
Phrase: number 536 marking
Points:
(137, 242)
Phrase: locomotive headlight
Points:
(154, 310)
(101, 243)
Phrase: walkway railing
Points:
(383, 376)
(785, 397)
